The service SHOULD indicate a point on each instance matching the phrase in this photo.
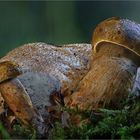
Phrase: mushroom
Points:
(37, 76)
(116, 55)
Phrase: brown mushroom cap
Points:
(118, 31)
(8, 70)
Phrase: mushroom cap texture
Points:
(119, 31)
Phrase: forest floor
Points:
(99, 124)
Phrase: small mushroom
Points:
(116, 55)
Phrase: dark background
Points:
(57, 22)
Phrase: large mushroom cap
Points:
(119, 31)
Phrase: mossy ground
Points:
(104, 123)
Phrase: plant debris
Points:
(73, 123)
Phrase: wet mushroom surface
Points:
(37, 77)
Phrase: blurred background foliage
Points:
(57, 22)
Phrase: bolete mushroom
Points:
(116, 57)
(36, 76)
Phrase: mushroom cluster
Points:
(37, 76)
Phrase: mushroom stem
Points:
(109, 80)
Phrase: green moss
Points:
(104, 123)
(21, 131)
(3, 132)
